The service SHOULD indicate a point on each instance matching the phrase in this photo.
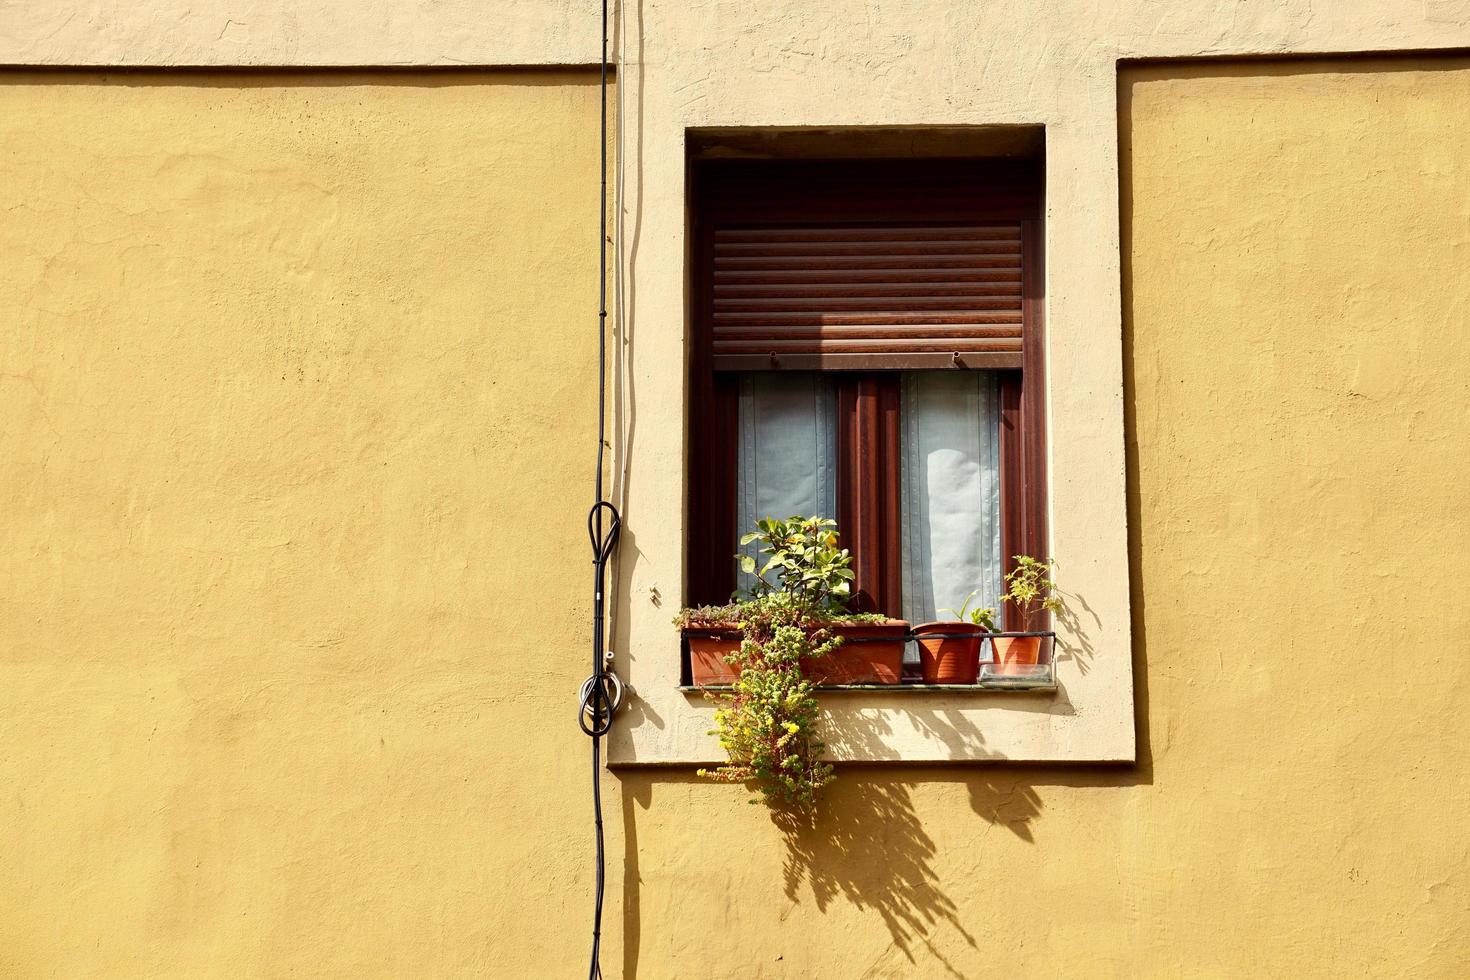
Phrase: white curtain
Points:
(788, 450)
(951, 491)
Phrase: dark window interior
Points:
(863, 269)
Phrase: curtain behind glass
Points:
(787, 452)
(951, 491)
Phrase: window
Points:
(866, 345)
(855, 389)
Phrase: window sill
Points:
(906, 689)
(1042, 681)
(1084, 714)
(1080, 708)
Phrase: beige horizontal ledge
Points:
(998, 688)
(881, 724)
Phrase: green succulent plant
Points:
(981, 616)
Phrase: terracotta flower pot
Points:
(708, 648)
(949, 659)
(861, 660)
(1012, 652)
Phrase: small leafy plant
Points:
(804, 561)
(981, 616)
(1029, 587)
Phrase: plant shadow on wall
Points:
(867, 846)
(871, 811)
(832, 854)
(1077, 620)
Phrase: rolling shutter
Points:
(845, 296)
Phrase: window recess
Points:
(866, 335)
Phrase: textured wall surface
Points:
(296, 401)
(780, 36)
(299, 32)
(296, 410)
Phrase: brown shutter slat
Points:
(998, 278)
(865, 305)
(835, 296)
(735, 321)
(926, 262)
(887, 233)
(894, 331)
(894, 290)
(777, 251)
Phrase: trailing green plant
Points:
(768, 722)
(1029, 587)
(983, 617)
(804, 561)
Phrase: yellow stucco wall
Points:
(285, 494)
(296, 398)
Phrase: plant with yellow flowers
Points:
(767, 723)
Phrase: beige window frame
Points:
(1089, 717)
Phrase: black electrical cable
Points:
(600, 696)
(602, 691)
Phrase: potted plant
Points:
(792, 633)
(1029, 587)
(803, 563)
(806, 563)
(949, 650)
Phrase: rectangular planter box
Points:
(871, 653)
(708, 648)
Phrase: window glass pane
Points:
(788, 450)
(951, 491)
